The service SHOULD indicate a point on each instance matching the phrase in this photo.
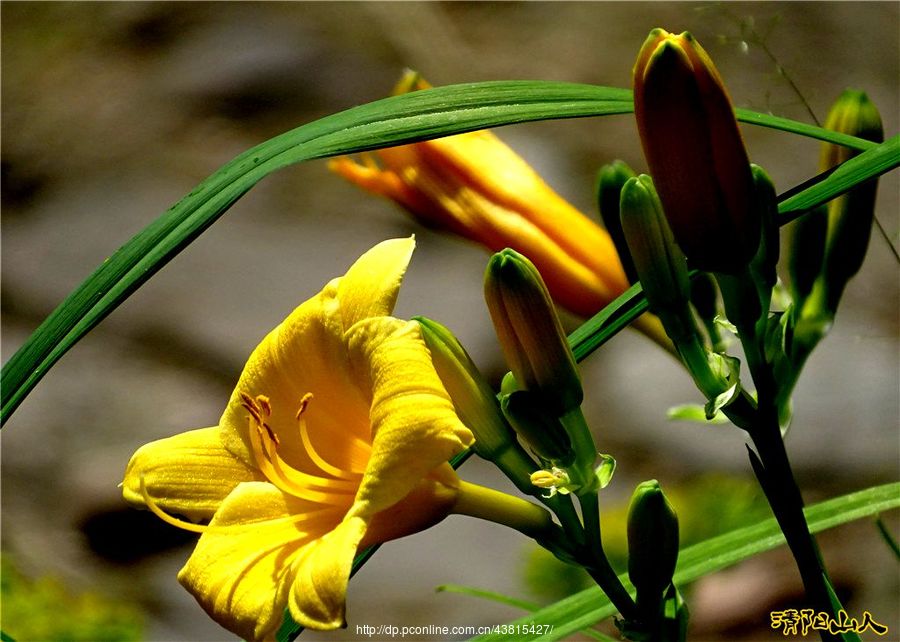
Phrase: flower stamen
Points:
(329, 514)
(318, 460)
(168, 519)
(264, 444)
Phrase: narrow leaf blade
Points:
(420, 115)
(590, 606)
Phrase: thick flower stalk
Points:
(475, 186)
(335, 437)
(695, 152)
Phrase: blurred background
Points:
(113, 111)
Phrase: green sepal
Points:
(725, 368)
(713, 406)
(508, 384)
(723, 322)
(604, 472)
(697, 413)
(675, 616)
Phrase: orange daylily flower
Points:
(475, 186)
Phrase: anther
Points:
(304, 402)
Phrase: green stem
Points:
(786, 501)
(501, 508)
(744, 309)
(778, 482)
(564, 508)
(584, 447)
(597, 564)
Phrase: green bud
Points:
(610, 180)
(850, 215)
(472, 397)
(765, 208)
(652, 542)
(807, 250)
(530, 333)
(475, 404)
(660, 263)
(664, 278)
(541, 431)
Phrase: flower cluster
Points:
(340, 428)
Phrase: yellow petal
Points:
(414, 426)
(319, 591)
(371, 285)
(243, 566)
(427, 504)
(188, 474)
(306, 354)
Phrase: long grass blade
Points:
(431, 113)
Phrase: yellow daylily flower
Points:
(475, 186)
(336, 437)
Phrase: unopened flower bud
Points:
(476, 404)
(807, 250)
(610, 180)
(530, 333)
(695, 152)
(664, 278)
(659, 261)
(850, 215)
(472, 397)
(652, 541)
(540, 430)
(765, 209)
